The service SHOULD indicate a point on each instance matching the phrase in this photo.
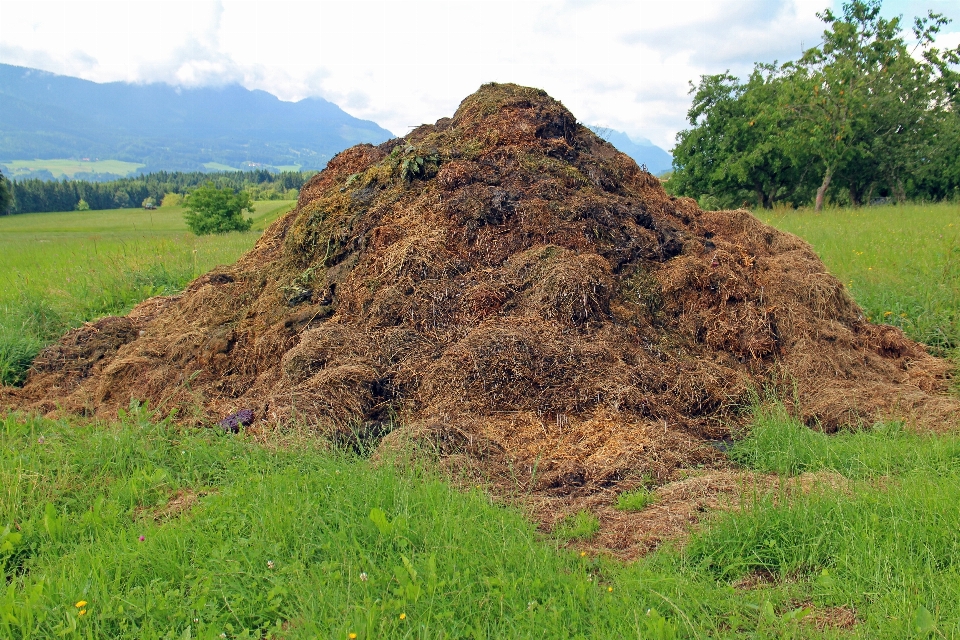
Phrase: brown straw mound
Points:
(512, 287)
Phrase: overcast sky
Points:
(619, 64)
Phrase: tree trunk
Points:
(822, 190)
(761, 198)
(854, 197)
(900, 192)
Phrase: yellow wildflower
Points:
(352, 636)
(403, 616)
(610, 589)
(82, 612)
(81, 604)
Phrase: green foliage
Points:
(581, 525)
(217, 210)
(6, 195)
(735, 151)
(58, 270)
(901, 264)
(171, 200)
(636, 500)
(33, 195)
(82, 205)
(859, 111)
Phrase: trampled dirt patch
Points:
(511, 288)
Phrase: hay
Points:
(511, 287)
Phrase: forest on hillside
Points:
(34, 196)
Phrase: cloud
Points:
(624, 64)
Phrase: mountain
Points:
(47, 116)
(642, 150)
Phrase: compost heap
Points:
(509, 286)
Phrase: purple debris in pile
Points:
(234, 421)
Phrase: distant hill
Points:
(48, 116)
(641, 150)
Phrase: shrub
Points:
(213, 210)
(171, 200)
(82, 205)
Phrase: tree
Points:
(121, 199)
(864, 105)
(6, 195)
(860, 111)
(737, 149)
(213, 210)
(82, 205)
(171, 200)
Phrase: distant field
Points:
(58, 270)
(216, 166)
(68, 168)
(901, 263)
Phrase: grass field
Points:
(901, 263)
(64, 168)
(58, 270)
(152, 531)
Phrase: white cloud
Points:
(623, 64)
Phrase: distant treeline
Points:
(34, 196)
(863, 116)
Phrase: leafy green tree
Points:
(82, 205)
(861, 111)
(6, 195)
(171, 200)
(121, 199)
(736, 150)
(214, 210)
(865, 106)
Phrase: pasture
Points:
(58, 270)
(900, 263)
(67, 168)
(141, 529)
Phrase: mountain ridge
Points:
(48, 116)
(162, 127)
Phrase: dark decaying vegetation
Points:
(505, 285)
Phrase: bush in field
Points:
(213, 210)
(83, 205)
(171, 200)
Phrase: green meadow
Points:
(139, 528)
(900, 263)
(66, 168)
(58, 270)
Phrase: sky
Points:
(622, 64)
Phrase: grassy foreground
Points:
(141, 530)
(157, 532)
(58, 270)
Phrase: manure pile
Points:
(507, 285)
